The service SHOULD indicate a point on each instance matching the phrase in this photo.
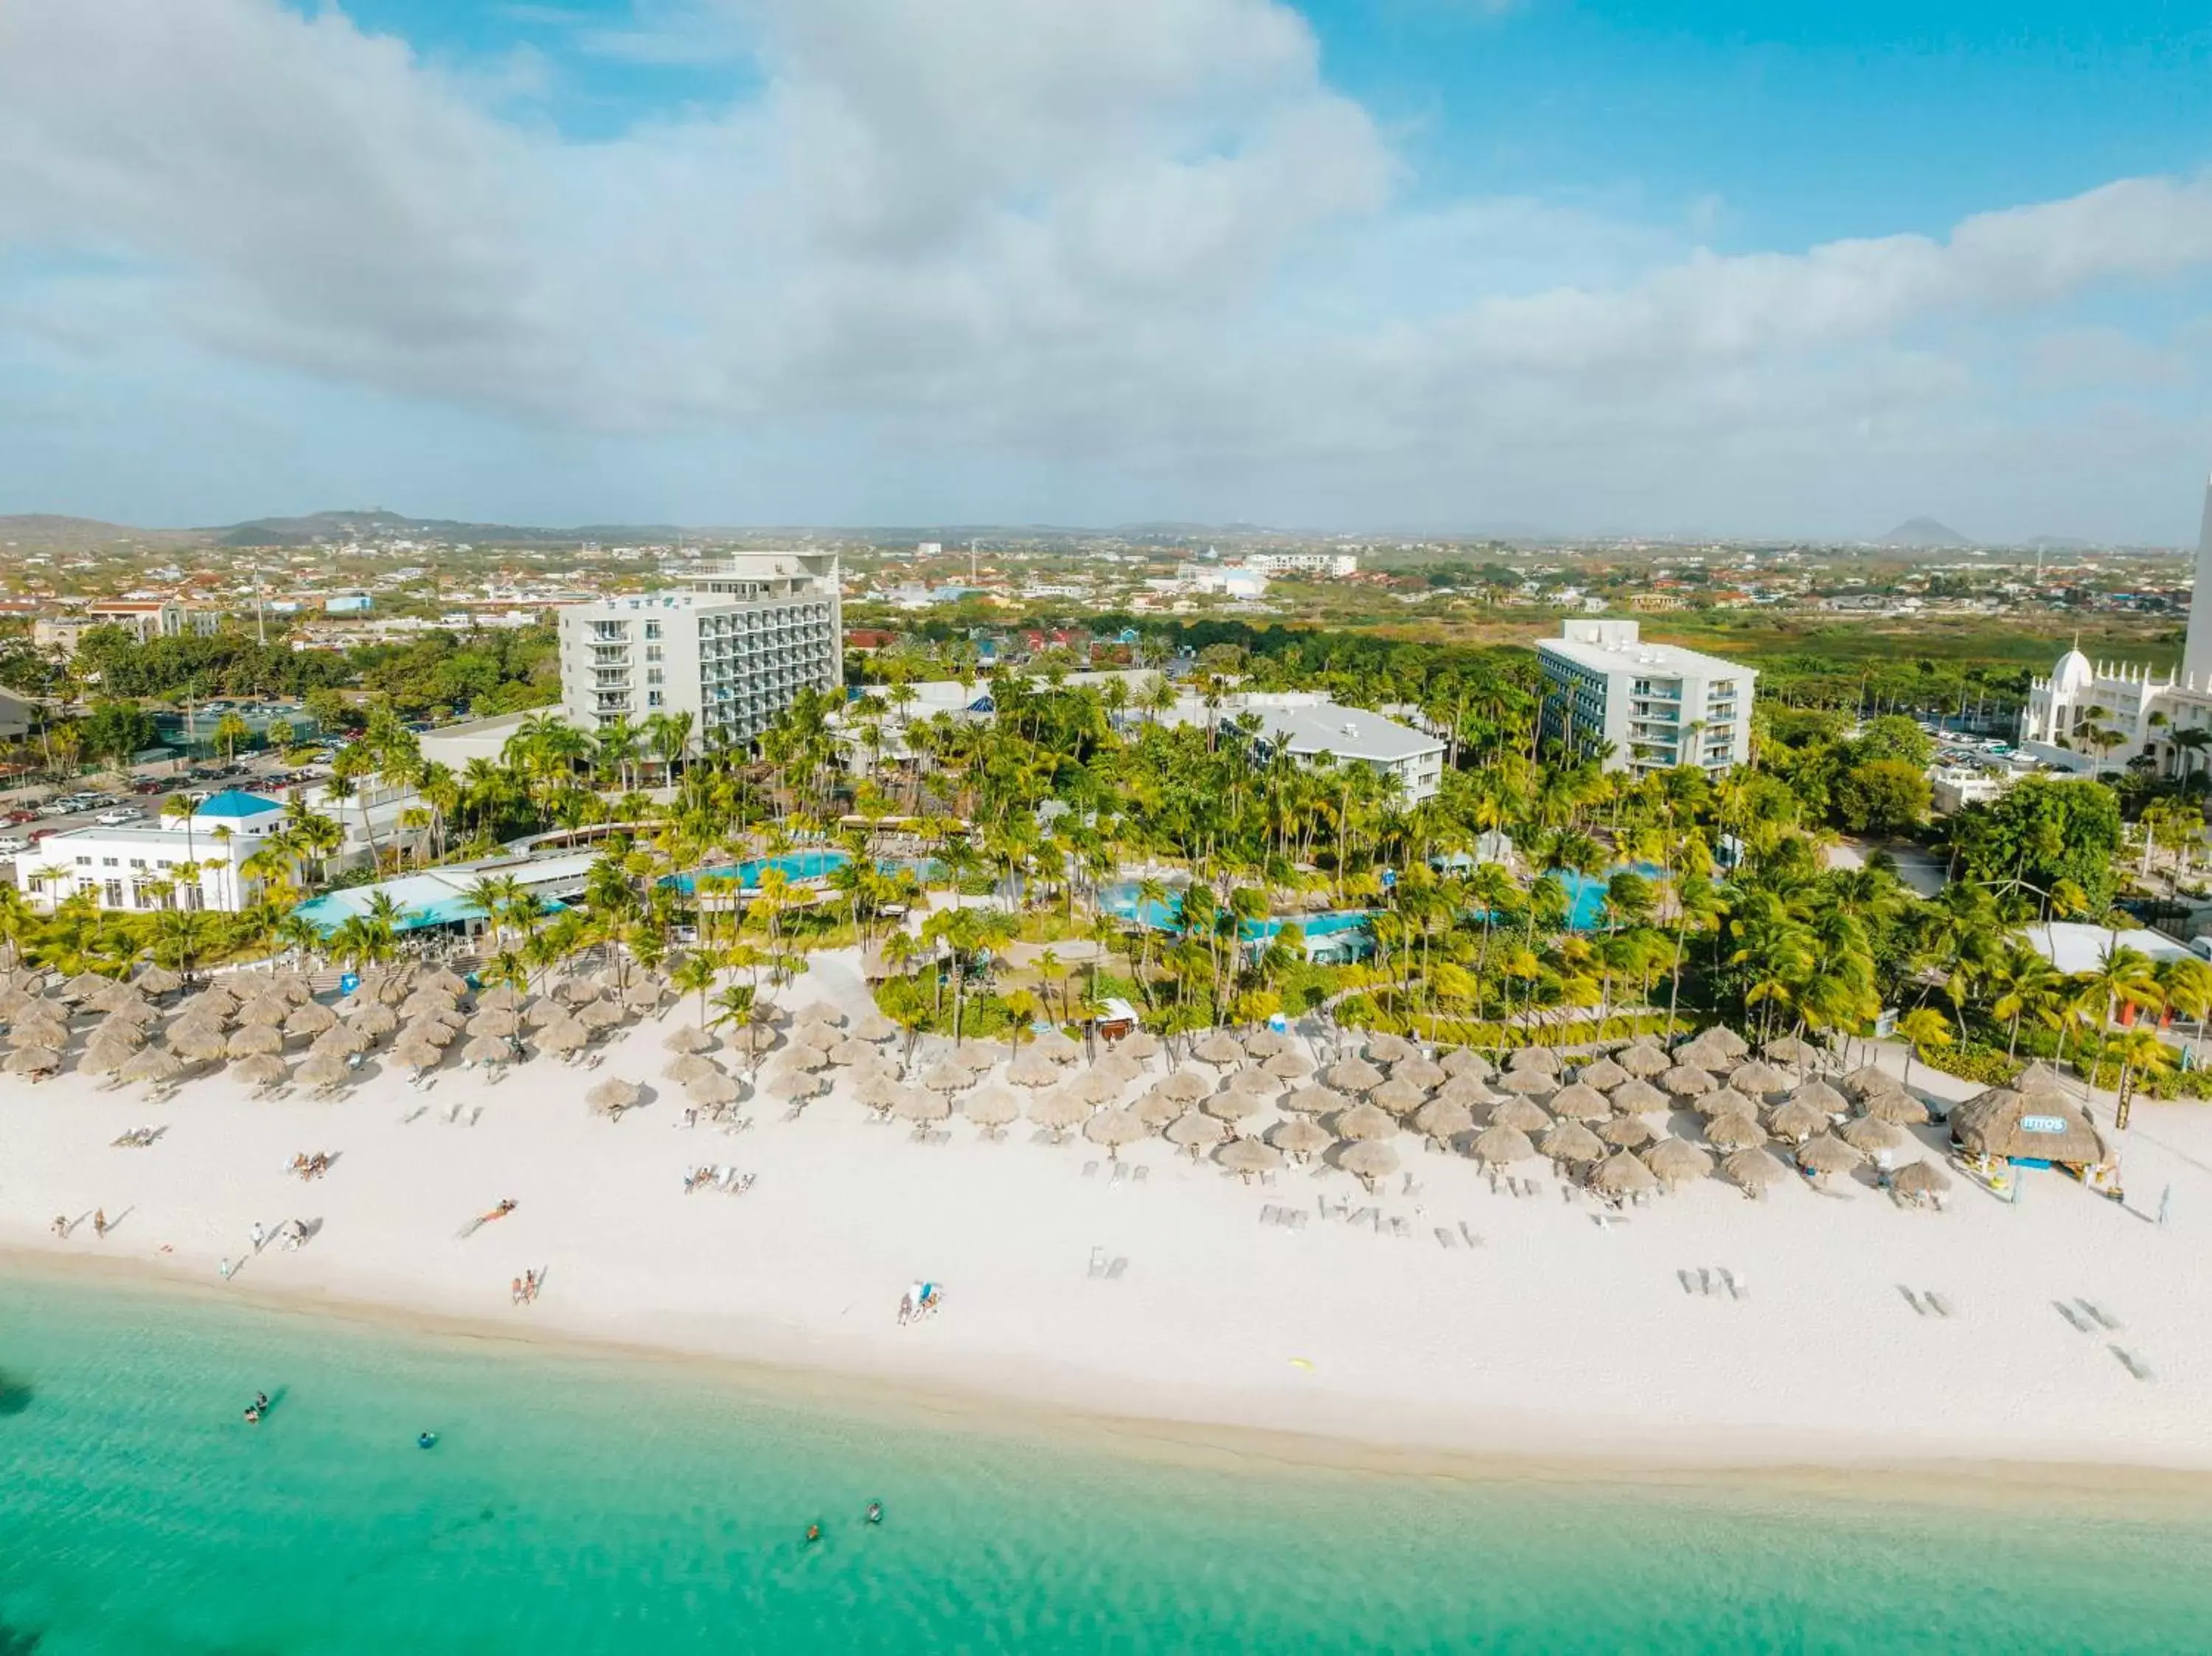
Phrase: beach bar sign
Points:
(2045, 1124)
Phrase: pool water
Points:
(1586, 891)
(1166, 915)
(798, 865)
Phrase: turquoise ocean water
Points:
(584, 1503)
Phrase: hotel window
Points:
(107, 862)
(114, 890)
(652, 629)
(84, 862)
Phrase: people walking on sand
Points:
(515, 1291)
(62, 1226)
(260, 1235)
(226, 1267)
(100, 1223)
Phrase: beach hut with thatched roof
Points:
(1499, 1147)
(1621, 1175)
(1919, 1181)
(1727, 1133)
(1677, 1161)
(1824, 1154)
(1602, 1073)
(1464, 1061)
(1580, 1101)
(1572, 1143)
(1300, 1138)
(1521, 1116)
(2038, 1128)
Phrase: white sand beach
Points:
(1538, 1331)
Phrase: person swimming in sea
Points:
(426, 1440)
(875, 1513)
(813, 1533)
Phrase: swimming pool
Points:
(1586, 891)
(1166, 915)
(798, 865)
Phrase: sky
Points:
(1392, 266)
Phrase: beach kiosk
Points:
(2036, 1126)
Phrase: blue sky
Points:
(1397, 264)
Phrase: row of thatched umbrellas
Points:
(248, 1018)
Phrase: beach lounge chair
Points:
(1468, 1236)
(1143, 1174)
(2097, 1314)
(1445, 1240)
(2134, 1364)
(1114, 1272)
(1097, 1262)
(1090, 1170)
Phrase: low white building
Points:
(1647, 708)
(2090, 717)
(193, 863)
(1308, 727)
(1334, 564)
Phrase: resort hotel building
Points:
(1644, 706)
(194, 862)
(2089, 717)
(732, 645)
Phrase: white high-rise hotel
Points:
(733, 647)
(1647, 707)
(2092, 716)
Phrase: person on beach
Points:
(100, 1223)
(259, 1236)
(226, 1267)
(515, 1291)
(62, 1226)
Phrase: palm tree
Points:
(694, 974)
(1923, 1029)
(2140, 1053)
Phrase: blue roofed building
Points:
(190, 863)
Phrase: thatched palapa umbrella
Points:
(105, 1058)
(1093, 1087)
(1256, 1084)
(39, 1031)
(1499, 1147)
(499, 1020)
(1676, 1162)
(323, 1070)
(376, 1022)
(875, 1027)
(1622, 1174)
(1521, 1115)
(921, 1106)
(1055, 1112)
(1140, 1044)
(1220, 1049)
(1352, 1075)
(151, 1065)
(1899, 1109)
(1299, 1138)
(1533, 1058)
(1230, 1105)
(1639, 1097)
(1248, 1157)
(1626, 1133)
(1267, 1043)
(1751, 1171)
(1571, 1142)
(1528, 1084)
(979, 1057)
(597, 1014)
(564, 1034)
(340, 1040)
(1756, 1078)
(1056, 1045)
(1443, 1121)
(1156, 1109)
(1580, 1101)
(34, 1061)
(1461, 1061)
(614, 1095)
(794, 1086)
(1314, 1100)
(262, 1070)
(1368, 1161)
(1865, 1133)
(878, 1091)
(1183, 1085)
(821, 1012)
(202, 1043)
(488, 1049)
(713, 1090)
(1288, 1066)
(417, 1055)
(1819, 1095)
(1421, 1072)
(1390, 1049)
(753, 1039)
(1032, 1069)
(506, 998)
(1727, 1101)
(1794, 1122)
(1114, 1129)
(948, 1077)
(1824, 1153)
(1918, 1181)
(1643, 1062)
(1466, 1089)
(1603, 1073)
(1735, 1132)
(158, 981)
(1685, 1081)
(1788, 1049)
(253, 1038)
(1397, 1095)
(813, 1060)
(1196, 1132)
(991, 1108)
(1366, 1121)
(1118, 1068)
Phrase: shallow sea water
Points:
(582, 1502)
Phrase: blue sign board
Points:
(2043, 1123)
(349, 982)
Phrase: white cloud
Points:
(1144, 247)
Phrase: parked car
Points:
(17, 818)
(12, 846)
(119, 818)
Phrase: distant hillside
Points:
(376, 522)
(1924, 532)
(41, 532)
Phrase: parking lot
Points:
(24, 828)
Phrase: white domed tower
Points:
(2196, 653)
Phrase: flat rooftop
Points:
(1670, 659)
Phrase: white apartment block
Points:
(1334, 564)
(158, 864)
(1654, 707)
(732, 645)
